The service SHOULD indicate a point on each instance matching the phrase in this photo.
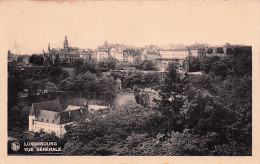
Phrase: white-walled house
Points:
(50, 117)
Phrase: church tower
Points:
(65, 43)
(49, 47)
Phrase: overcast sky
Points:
(30, 26)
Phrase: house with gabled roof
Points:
(50, 117)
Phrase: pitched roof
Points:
(119, 50)
(150, 51)
(53, 105)
(72, 107)
(112, 50)
(48, 116)
(70, 51)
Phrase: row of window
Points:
(116, 53)
(173, 53)
(73, 57)
(47, 125)
(48, 130)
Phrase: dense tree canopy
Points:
(88, 82)
(36, 60)
(194, 64)
(108, 64)
(145, 65)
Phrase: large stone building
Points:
(180, 53)
(121, 55)
(66, 54)
(101, 54)
(50, 117)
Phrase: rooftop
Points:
(53, 105)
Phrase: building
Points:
(150, 54)
(101, 53)
(69, 55)
(86, 55)
(117, 53)
(128, 57)
(197, 50)
(66, 54)
(11, 56)
(50, 117)
(180, 53)
(51, 54)
(131, 54)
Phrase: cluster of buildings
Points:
(15, 60)
(16, 63)
(123, 54)
(69, 54)
(161, 55)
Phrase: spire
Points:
(65, 43)
(49, 47)
(105, 44)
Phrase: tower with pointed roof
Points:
(65, 43)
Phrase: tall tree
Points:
(78, 64)
(171, 101)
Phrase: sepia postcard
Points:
(130, 82)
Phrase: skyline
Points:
(32, 25)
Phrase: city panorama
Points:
(121, 100)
